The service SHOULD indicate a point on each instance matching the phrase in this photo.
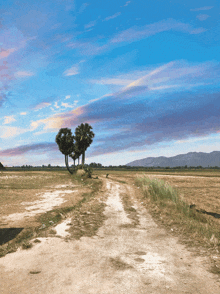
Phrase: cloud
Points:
(112, 81)
(67, 97)
(9, 132)
(137, 33)
(112, 16)
(127, 3)
(202, 8)
(67, 105)
(74, 70)
(142, 106)
(202, 16)
(40, 147)
(23, 113)
(8, 119)
(21, 74)
(6, 53)
(42, 105)
(90, 24)
(132, 34)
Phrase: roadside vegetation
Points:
(170, 208)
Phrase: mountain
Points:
(189, 159)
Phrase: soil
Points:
(129, 253)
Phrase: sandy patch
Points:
(48, 201)
(62, 228)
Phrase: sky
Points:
(144, 74)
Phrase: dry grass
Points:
(173, 210)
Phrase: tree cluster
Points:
(75, 145)
(2, 166)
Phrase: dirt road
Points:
(129, 254)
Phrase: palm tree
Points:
(65, 142)
(83, 137)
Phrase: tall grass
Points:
(170, 204)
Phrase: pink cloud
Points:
(6, 53)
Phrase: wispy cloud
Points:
(127, 3)
(29, 148)
(74, 70)
(133, 34)
(22, 74)
(23, 113)
(144, 115)
(6, 52)
(202, 16)
(112, 16)
(10, 132)
(202, 8)
(67, 97)
(90, 24)
(9, 119)
(42, 105)
(137, 33)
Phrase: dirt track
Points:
(127, 255)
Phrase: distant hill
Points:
(189, 159)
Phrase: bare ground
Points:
(130, 253)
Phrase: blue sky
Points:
(144, 74)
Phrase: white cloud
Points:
(202, 16)
(74, 70)
(9, 132)
(22, 74)
(127, 3)
(113, 81)
(112, 16)
(42, 105)
(67, 97)
(23, 113)
(56, 106)
(67, 105)
(90, 24)
(8, 119)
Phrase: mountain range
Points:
(190, 159)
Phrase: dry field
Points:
(27, 195)
(201, 188)
(97, 235)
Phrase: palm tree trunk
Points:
(83, 157)
(67, 165)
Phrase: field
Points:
(71, 231)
